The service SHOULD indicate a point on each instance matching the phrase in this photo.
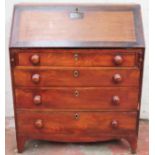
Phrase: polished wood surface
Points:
(75, 77)
(80, 123)
(74, 57)
(118, 27)
(79, 64)
(104, 26)
(103, 98)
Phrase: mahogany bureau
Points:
(76, 72)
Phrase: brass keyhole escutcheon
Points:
(76, 93)
(76, 73)
(76, 57)
(76, 116)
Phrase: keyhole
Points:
(76, 116)
(76, 93)
(76, 57)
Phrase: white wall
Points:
(144, 5)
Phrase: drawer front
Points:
(76, 123)
(76, 77)
(75, 57)
(116, 98)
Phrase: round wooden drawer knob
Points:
(117, 78)
(114, 124)
(36, 78)
(38, 124)
(118, 60)
(35, 59)
(115, 100)
(37, 100)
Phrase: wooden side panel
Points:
(90, 98)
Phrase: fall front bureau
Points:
(76, 72)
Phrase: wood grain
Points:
(90, 98)
(74, 57)
(112, 26)
(65, 77)
(101, 26)
(76, 80)
(88, 123)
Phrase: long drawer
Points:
(75, 123)
(79, 76)
(77, 57)
(116, 98)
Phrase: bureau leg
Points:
(20, 143)
(133, 143)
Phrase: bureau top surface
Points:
(81, 26)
